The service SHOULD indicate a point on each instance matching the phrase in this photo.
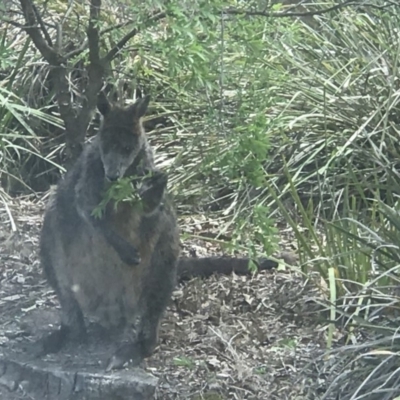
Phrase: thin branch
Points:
(42, 25)
(282, 14)
(96, 69)
(113, 52)
(77, 51)
(69, 10)
(84, 45)
(93, 32)
(59, 37)
(59, 72)
(114, 27)
(13, 23)
(48, 53)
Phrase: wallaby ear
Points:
(140, 106)
(103, 104)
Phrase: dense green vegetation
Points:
(260, 117)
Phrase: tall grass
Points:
(338, 161)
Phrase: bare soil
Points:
(224, 337)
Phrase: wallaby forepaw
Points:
(159, 179)
(156, 184)
(126, 353)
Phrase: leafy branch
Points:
(288, 13)
(124, 190)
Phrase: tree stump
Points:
(52, 381)
(75, 373)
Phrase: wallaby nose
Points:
(112, 178)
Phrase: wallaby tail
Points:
(189, 267)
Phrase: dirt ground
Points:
(225, 337)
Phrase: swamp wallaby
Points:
(121, 268)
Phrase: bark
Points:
(40, 380)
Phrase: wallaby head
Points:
(121, 134)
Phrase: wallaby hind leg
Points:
(72, 326)
(156, 293)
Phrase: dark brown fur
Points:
(121, 269)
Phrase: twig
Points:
(13, 23)
(282, 14)
(42, 25)
(84, 45)
(69, 10)
(114, 27)
(113, 52)
(77, 51)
